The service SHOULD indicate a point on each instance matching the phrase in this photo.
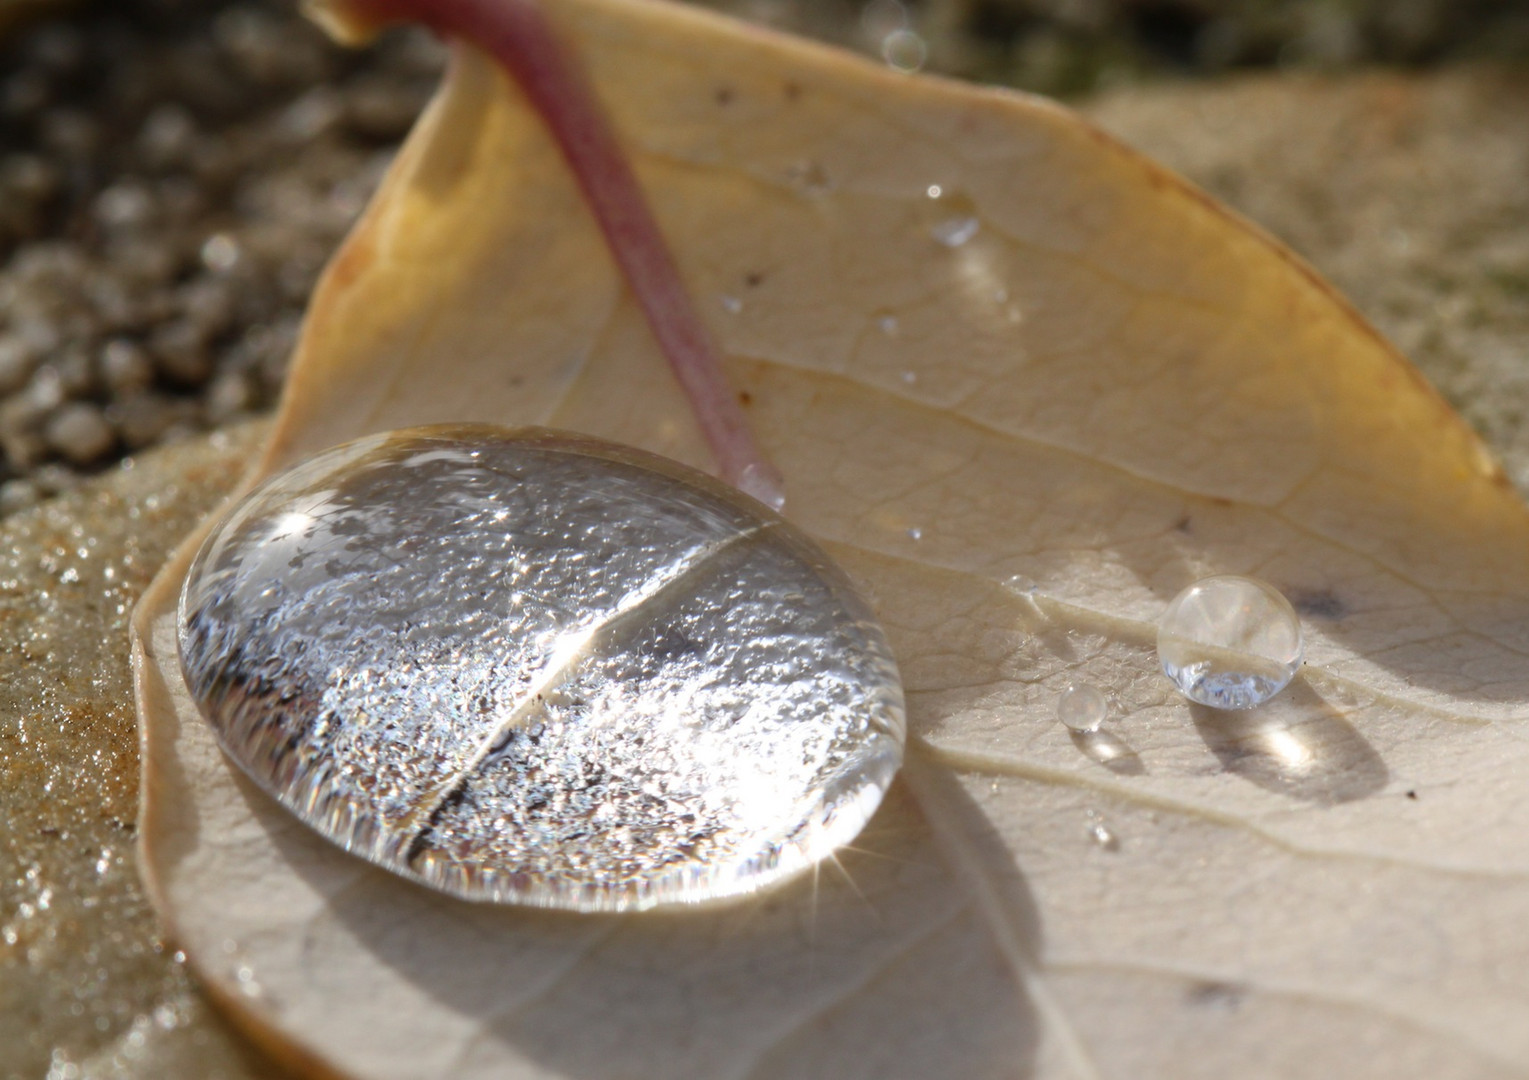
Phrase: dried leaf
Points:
(1025, 414)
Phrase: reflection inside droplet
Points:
(1230, 642)
(538, 668)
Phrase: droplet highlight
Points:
(1230, 642)
(957, 231)
(1083, 707)
(532, 667)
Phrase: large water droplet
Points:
(1230, 642)
(1083, 707)
(538, 668)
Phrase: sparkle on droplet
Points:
(1083, 707)
(954, 232)
(1230, 642)
(915, 534)
(533, 667)
(889, 325)
(934, 191)
(732, 305)
(910, 377)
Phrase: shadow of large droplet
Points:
(1296, 745)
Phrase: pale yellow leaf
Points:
(1022, 445)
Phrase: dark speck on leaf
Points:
(725, 95)
(1214, 995)
(1322, 604)
(1183, 524)
(1413, 795)
(745, 398)
(793, 91)
(753, 279)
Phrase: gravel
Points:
(173, 175)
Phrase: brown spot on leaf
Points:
(1318, 604)
(1226, 997)
(353, 260)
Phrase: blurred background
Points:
(173, 173)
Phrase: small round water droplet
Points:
(889, 325)
(954, 232)
(910, 377)
(934, 191)
(1230, 642)
(731, 304)
(915, 534)
(1104, 836)
(533, 667)
(904, 51)
(1083, 707)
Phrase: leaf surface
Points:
(1022, 444)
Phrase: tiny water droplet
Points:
(904, 51)
(889, 325)
(954, 232)
(910, 377)
(934, 191)
(731, 304)
(452, 649)
(1083, 707)
(1230, 642)
(245, 976)
(915, 534)
(1102, 835)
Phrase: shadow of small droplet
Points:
(1109, 750)
(1296, 745)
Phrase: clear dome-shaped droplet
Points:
(532, 667)
(1230, 642)
(1083, 707)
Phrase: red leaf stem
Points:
(518, 35)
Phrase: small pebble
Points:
(80, 433)
(17, 362)
(125, 367)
